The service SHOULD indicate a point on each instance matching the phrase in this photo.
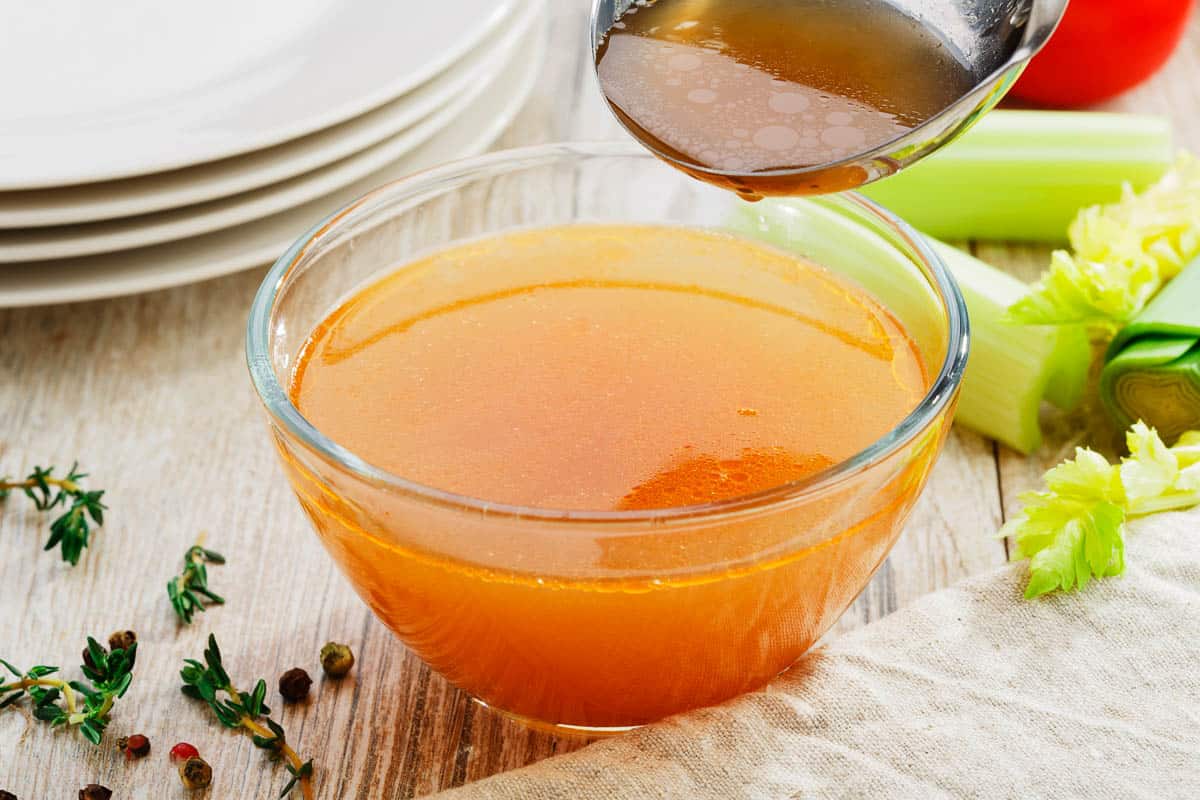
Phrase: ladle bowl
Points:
(993, 39)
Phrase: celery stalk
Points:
(1012, 368)
(1023, 175)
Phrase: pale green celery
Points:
(1012, 368)
(1074, 530)
(1124, 253)
(1023, 175)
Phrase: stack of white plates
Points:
(150, 144)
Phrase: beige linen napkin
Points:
(970, 692)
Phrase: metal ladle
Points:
(994, 38)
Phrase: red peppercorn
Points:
(136, 746)
(183, 751)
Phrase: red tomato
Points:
(1102, 48)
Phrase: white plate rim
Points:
(155, 277)
(112, 236)
(142, 163)
(147, 194)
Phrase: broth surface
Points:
(494, 370)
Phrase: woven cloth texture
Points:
(970, 692)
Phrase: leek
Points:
(1153, 365)
(1023, 175)
(1012, 368)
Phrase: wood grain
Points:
(150, 393)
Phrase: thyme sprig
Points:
(245, 711)
(189, 589)
(60, 702)
(71, 529)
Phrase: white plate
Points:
(261, 242)
(42, 244)
(97, 91)
(91, 202)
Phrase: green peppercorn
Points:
(94, 791)
(195, 773)
(121, 640)
(294, 685)
(336, 659)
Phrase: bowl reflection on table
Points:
(609, 619)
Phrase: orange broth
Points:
(578, 368)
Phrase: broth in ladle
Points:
(752, 87)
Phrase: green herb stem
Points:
(50, 683)
(83, 704)
(242, 710)
(188, 591)
(61, 483)
(71, 529)
(301, 770)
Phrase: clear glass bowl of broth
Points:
(599, 442)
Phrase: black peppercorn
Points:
(7, 795)
(94, 791)
(294, 685)
(121, 640)
(336, 659)
(195, 773)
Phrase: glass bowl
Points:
(603, 620)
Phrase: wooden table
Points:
(150, 394)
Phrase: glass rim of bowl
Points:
(425, 184)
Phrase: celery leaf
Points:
(1090, 542)
(1158, 229)
(1157, 477)
(1076, 291)
(1074, 531)
(1123, 254)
